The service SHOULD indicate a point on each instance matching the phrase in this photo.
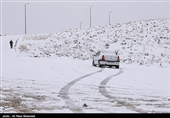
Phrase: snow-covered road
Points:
(51, 86)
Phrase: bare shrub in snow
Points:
(163, 55)
(146, 54)
(23, 48)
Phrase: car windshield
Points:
(108, 52)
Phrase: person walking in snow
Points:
(11, 44)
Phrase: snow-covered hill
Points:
(37, 77)
(145, 42)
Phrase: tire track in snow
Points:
(104, 92)
(64, 93)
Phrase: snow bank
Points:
(145, 42)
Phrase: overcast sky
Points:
(52, 16)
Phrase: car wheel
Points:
(117, 66)
(110, 66)
(93, 63)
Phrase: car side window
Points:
(98, 53)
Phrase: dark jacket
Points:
(11, 42)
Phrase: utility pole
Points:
(25, 17)
(90, 15)
(109, 17)
(80, 25)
